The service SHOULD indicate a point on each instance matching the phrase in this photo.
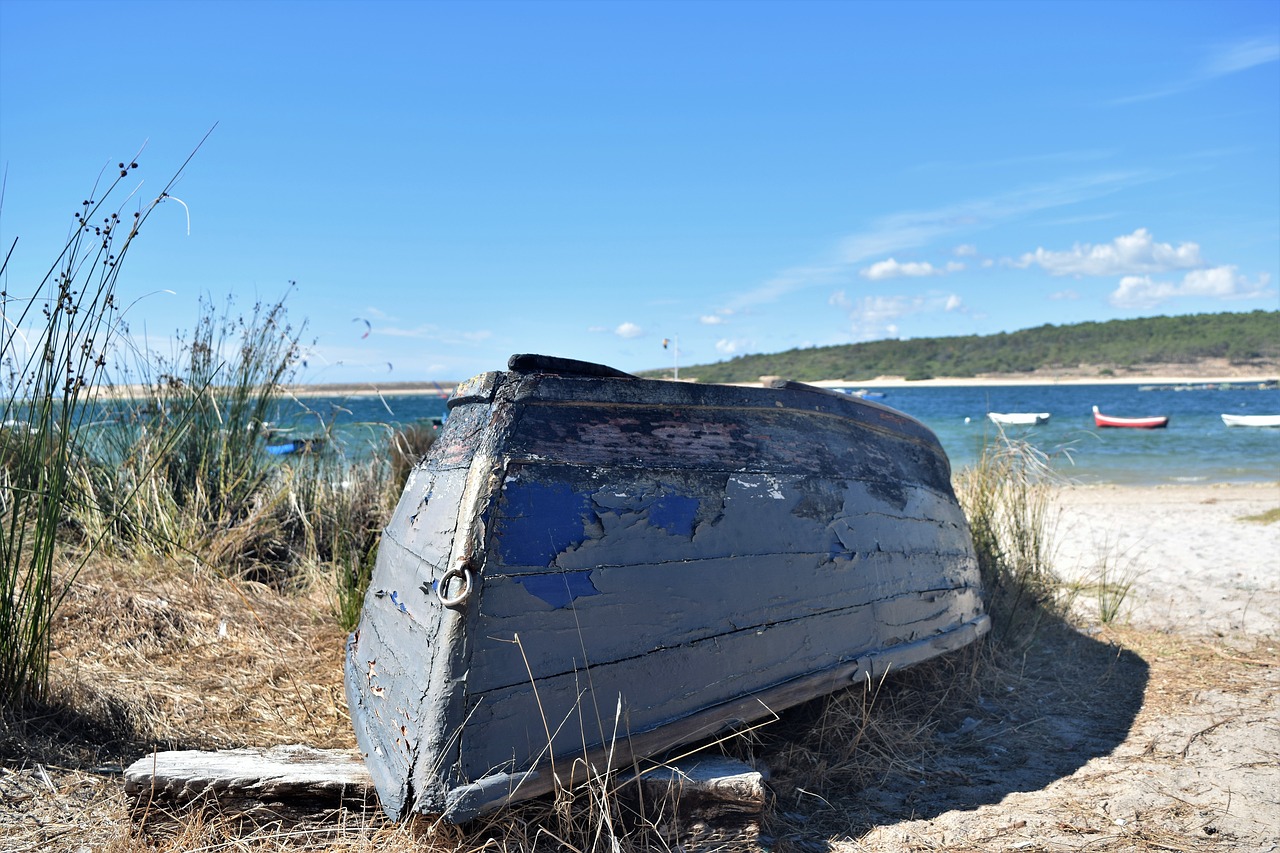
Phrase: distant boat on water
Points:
(296, 447)
(1251, 420)
(1019, 418)
(1155, 422)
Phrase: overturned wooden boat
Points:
(590, 567)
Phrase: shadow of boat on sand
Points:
(914, 750)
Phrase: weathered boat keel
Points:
(594, 566)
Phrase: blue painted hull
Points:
(591, 565)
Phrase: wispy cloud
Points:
(898, 232)
(712, 319)
(732, 346)
(437, 334)
(1240, 56)
(873, 317)
(1219, 61)
(1129, 254)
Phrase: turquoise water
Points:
(1195, 448)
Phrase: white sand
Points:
(1198, 767)
(1196, 565)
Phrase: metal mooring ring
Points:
(468, 581)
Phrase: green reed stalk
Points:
(52, 351)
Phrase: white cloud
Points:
(1129, 254)
(1216, 283)
(839, 300)
(966, 250)
(727, 346)
(1064, 294)
(711, 320)
(953, 303)
(892, 268)
(628, 330)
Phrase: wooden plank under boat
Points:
(589, 565)
(1019, 418)
(1251, 420)
(1156, 422)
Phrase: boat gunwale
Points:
(931, 443)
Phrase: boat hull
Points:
(601, 567)
(1019, 418)
(1101, 420)
(1251, 420)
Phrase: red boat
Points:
(1102, 420)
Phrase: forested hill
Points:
(1113, 346)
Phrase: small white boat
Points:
(1251, 420)
(1019, 418)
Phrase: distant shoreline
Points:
(411, 389)
(1187, 375)
(432, 389)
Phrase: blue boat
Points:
(590, 567)
(296, 446)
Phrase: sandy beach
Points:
(1174, 745)
(1196, 565)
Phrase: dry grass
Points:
(1271, 516)
(162, 655)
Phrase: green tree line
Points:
(1113, 345)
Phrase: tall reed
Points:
(53, 346)
(182, 464)
(1007, 497)
(182, 468)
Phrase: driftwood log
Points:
(295, 775)
(695, 797)
(710, 803)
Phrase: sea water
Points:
(1196, 447)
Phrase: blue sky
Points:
(587, 179)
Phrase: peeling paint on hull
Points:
(588, 560)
